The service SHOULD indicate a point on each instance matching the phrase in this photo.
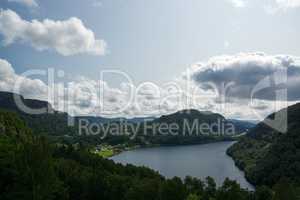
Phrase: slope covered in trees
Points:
(31, 168)
(268, 156)
(50, 123)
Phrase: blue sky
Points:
(155, 40)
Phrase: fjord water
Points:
(195, 160)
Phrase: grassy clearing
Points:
(105, 153)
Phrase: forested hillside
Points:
(31, 168)
(268, 156)
(51, 123)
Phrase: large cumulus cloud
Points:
(32, 88)
(242, 73)
(68, 37)
(83, 96)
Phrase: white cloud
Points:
(288, 3)
(243, 72)
(29, 3)
(6, 69)
(32, 88)
(68, 37)
(281, 5)
(82, 95)
(270, 6)
(238, 3)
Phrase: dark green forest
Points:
(268, 156)
(33, 168)
(38, 162)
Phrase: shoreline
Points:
(241, 168)
(248, 185)
(118, 151)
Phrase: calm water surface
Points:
(196, 160)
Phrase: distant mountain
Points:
(55, 124)
(265, 132)
(208, 117)
(94, 119)
(191, 118)
(7, 101)
(242, 126)
(51, 123)
(190, 115)
(267, 155)
(141, 119)
(104, 120)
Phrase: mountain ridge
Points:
(7, 102)
(264, 152)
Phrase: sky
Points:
(219, 41)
